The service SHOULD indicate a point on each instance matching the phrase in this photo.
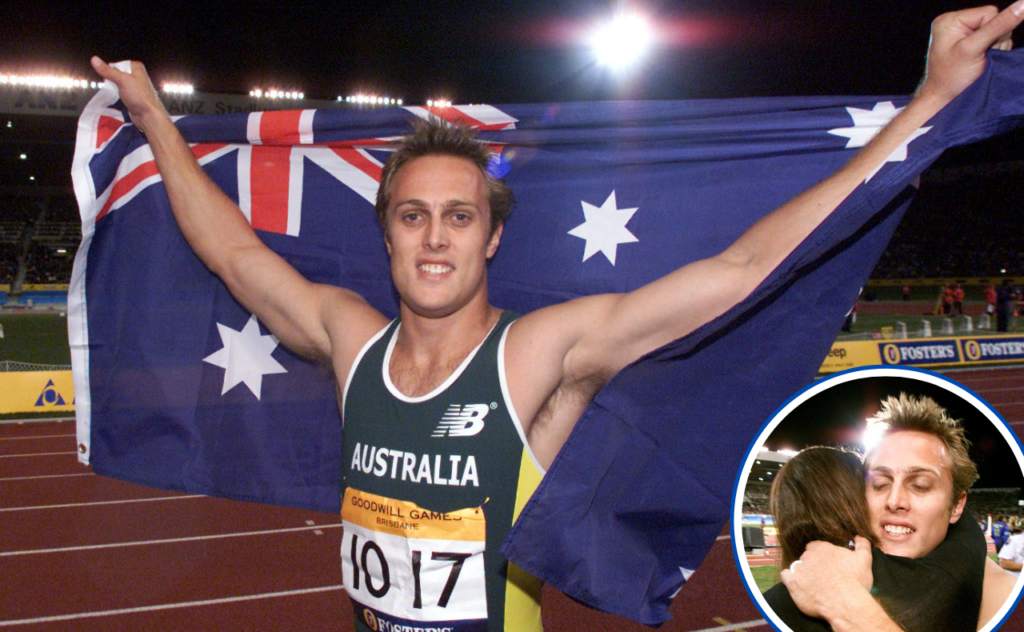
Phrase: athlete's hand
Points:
(959, 41)
(827, 577)
(136, 92)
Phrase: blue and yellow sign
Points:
(37, 392)
(999, 349)
(925, 352)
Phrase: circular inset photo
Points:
(882, 499)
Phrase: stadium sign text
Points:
(920, 352)
(963, 351)
(50, 102)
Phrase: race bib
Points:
(409, 569)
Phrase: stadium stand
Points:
(973, 241)
(39, 235)
(986, 502)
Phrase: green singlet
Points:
(432, 485)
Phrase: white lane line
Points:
(169, 606)
(32, 478)
(725, 628)
(101, 502)
(723, 537)
(18, 456)
(194, 538)
(996, 371)
(36, 437)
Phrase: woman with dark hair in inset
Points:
(806, 508)
(820, 495)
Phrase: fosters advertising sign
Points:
(925, 352)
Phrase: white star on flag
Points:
(245, 356)
(604, 228)
(687, 573)
(867, 123)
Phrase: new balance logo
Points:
(462, 421)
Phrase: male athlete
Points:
(917, 480)
(431, 484)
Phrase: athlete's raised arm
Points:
(559, 356)
(314, 320)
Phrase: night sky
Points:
(497, 52)
(527, 51)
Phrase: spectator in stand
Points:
(1011, 557)
(1000, 532)
(906, 292)
(958, 300)
(947, 300)
(1005, 296)
(990, 299)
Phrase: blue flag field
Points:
(179, 387)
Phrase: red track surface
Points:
(84, 552)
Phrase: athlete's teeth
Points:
(894, 530)
(435, 268)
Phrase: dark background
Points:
(497, 51)
(836, 417)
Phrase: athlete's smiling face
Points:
(909, 493)
(439, 234)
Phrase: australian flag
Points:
(178, 386)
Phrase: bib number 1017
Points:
(420, 579)
(360, 561)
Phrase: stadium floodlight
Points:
(178, 88)
(621, 42)
(274, 93)
(872, 435)
(51, 82)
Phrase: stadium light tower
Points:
(622, 41)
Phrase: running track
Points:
(84, 552)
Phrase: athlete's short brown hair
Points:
(923, 414)
(434, 137)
